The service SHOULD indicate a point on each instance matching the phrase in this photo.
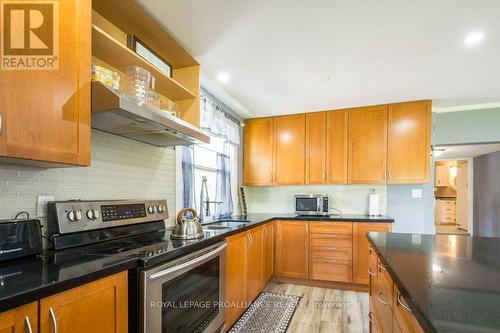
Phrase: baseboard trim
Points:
(322, 284)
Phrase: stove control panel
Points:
(76, 216)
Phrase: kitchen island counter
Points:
(450, 282)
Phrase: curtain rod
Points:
(227, 110)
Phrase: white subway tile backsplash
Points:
(350, 199)
(120, 169)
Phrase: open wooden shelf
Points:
(131, 18)
(109, 50)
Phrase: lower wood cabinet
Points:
(268, 251)
(292, 249)
(247, 268)
(361, 251)
(330, 251)
(100, 306)
(236, 272)
(388, 312)
(23, 319)
(255, 263)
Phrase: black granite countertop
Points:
(451, 282)
(27, 280)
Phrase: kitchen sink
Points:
(225, 224)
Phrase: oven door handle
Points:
(192, 263)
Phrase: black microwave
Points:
(312, 204)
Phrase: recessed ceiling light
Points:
(473, 38)
(223, 77)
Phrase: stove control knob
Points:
(75, 215)
(152, 209)
(161, 208)
(93, 214)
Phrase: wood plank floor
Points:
(326, 310)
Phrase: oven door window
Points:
(191, 299)
(306, 204)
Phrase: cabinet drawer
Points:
(385, 284)
(447, 219)
(382, 312)
(344, 228)
(403, 316)
(331, 269)
(331, 240)
(331, 252)
(372, 263)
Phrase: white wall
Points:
(350, 199)
(121, 169)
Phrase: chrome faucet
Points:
(205, 203)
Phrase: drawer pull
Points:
(370, 272)
(370, 318)
(380, 299)
(382, 267)
(28, 324)
(54, 320)
(402, 303)
(370, 248)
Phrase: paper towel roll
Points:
(373, 204)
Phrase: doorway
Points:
(454, 185)
(451, 194)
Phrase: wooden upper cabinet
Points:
(236, 278)
(258, 152)
(361, 252)
(23, 319)
(409, 136)
(290, 136)
(292, 249)
(316, 147)
(367, 145)
(46, 113)
(99, 306)
(336, 146)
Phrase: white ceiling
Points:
(373, 51)
(464, 151)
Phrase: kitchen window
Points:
(205, 163)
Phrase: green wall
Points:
(472, 126)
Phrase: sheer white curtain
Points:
(218, 122)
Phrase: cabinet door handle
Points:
(54, 320)
(380, 299)
(248, 241)
(370, 248)
(370, 272)
(370, 318)
(28, 324)
(382, 267)
(406, 307)
(267, 232)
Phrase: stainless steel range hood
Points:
(115, 113)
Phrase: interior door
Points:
(462, 210)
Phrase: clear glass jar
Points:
(153, 96)
(138, 80)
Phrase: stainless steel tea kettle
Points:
(187, 227)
